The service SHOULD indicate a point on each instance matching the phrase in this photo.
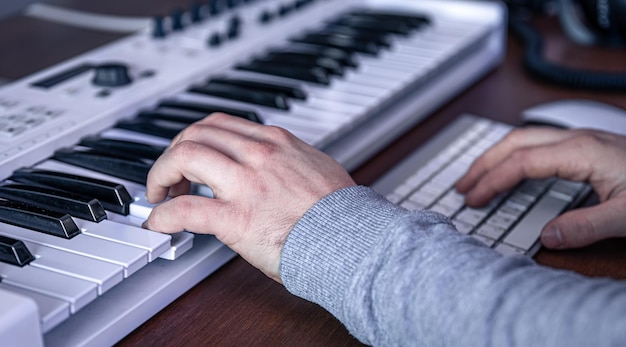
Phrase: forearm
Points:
(410, 279)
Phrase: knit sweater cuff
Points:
(320, 254)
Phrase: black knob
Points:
(177, 19)
(111, 75)
(158, 30)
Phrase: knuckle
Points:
(279, 134)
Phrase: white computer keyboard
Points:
(511, 223)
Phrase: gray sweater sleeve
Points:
(400, 278)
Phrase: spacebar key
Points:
(526, 233)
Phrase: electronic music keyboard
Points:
(77, 139)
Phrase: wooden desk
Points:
(237, 305)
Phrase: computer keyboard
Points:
(511, 223)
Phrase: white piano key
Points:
(356, 78)
(76, 291)
(154, 243)
(104, 274)
(361, 89)
(19, 323)
(181, 243)
(333, 106)
(345, 97)
(52, 311)
(131, 258)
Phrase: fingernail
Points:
(145, 224)
(552, 237)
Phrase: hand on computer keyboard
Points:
(578, 155)
(264, 179)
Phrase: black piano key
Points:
(376, 37)
(76, 205)
(208, 109)
(164, 129)
(293, 92)
(113, 196)
(133, 170)
(371, 23)
(247, 95)
(340, 41)
(122, 147)
(14, 252)
(313, 75)
(344, 57)
(34, 218)
(415, 21)
(331, 66)
(174, 115)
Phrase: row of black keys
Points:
(46, 201)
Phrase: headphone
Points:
(586, 22)
(594, 22)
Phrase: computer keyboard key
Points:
(526, 233)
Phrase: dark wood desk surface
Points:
(237, 305)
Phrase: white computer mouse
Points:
(578, 113)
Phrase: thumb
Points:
(582, 227)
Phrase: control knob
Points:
(111, 75)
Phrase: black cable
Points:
(536, 65)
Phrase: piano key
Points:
(127, 135)
(139, 209)
(381, 39)
(28, 216)
(331, 66)
(172, 114)
(179, 243)
(313, 75)
(208, 109)
(106, 275)
(309, 130)
(292, 91)
(243, 94)
(344, 57)
(130, 258)
(14, 252)
(165, 129)
(133, 188)
(154, 243)
(78, 293)
(342, 42)
(52, 311)
(118, 146)
(113, 196)
(76, 205)
(131, 170)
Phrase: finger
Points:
(537, 162)
(222, 121)
(516, 139)
(585, 226)
(187, 212)
(188, 161)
